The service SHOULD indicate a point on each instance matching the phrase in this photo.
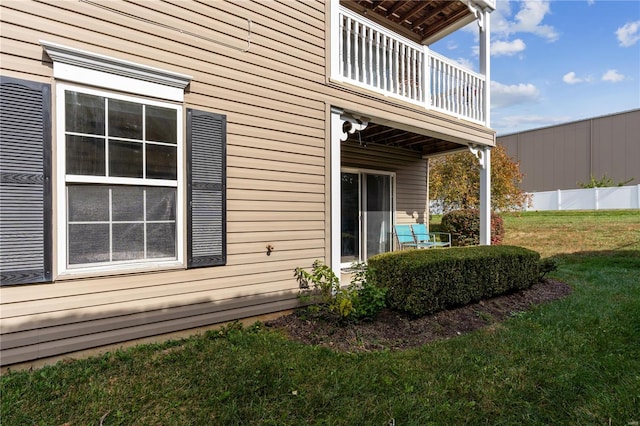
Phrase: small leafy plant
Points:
(321, 289)
(545, 266)
(370, 299)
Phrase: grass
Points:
(574, 361)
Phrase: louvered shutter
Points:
(206, 189)
(25, 182)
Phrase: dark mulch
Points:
(394, 331)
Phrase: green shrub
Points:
(464, 227)
(421, 282)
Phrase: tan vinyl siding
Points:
(276, 98)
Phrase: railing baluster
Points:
(403, 78)
(348, 48)
(440, 91)
(385, 74)
(356, 52)
(447, 80)
(397, 67)
(370, 55)
(378, 52)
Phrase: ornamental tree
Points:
(454, 182)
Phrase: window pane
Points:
(125, 119)
(161, 204)
(85, 156)
(162, 162)
(84, 113)
(127, 203)
(88, 203)
(88, 243)
(161, 240)
(161, 124)
(125, 159)
(128, 241)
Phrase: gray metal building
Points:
(565, 155)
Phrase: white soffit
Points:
(84, 67)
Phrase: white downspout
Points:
(485, 163)
(485, 198)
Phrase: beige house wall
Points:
(563, 156)
(277, 97)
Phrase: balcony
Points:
(375, 58)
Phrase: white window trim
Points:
(82, 67)
(61, 194)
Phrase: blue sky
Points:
(556, 61)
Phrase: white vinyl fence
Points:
(618, 197)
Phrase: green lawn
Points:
(575, 361)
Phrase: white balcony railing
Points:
(378, 59)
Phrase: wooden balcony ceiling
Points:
(421, 19)
(379, 134)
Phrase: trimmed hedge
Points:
(421, 282)
(464, 227)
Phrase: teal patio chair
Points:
(426, 239)
(404, 237)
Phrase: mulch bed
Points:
(395, 331)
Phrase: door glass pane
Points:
(378, 214)
(125, 119)
(85, 155)
(350, 219)
(125, 159)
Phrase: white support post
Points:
(337, 56)
(484, 159)
(336, 135)
(485, 197)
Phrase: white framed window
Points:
(120, 173)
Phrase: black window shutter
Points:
(206, 189)
(25, 182)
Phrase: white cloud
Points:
(466, 63)
(570, 78)
(628, 34)
(528, 19)
(503, 95)
(517, 123)
(452, 45)
(613, 76)
(507, 48)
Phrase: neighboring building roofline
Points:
(569, 122)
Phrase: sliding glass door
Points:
(367, 214)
